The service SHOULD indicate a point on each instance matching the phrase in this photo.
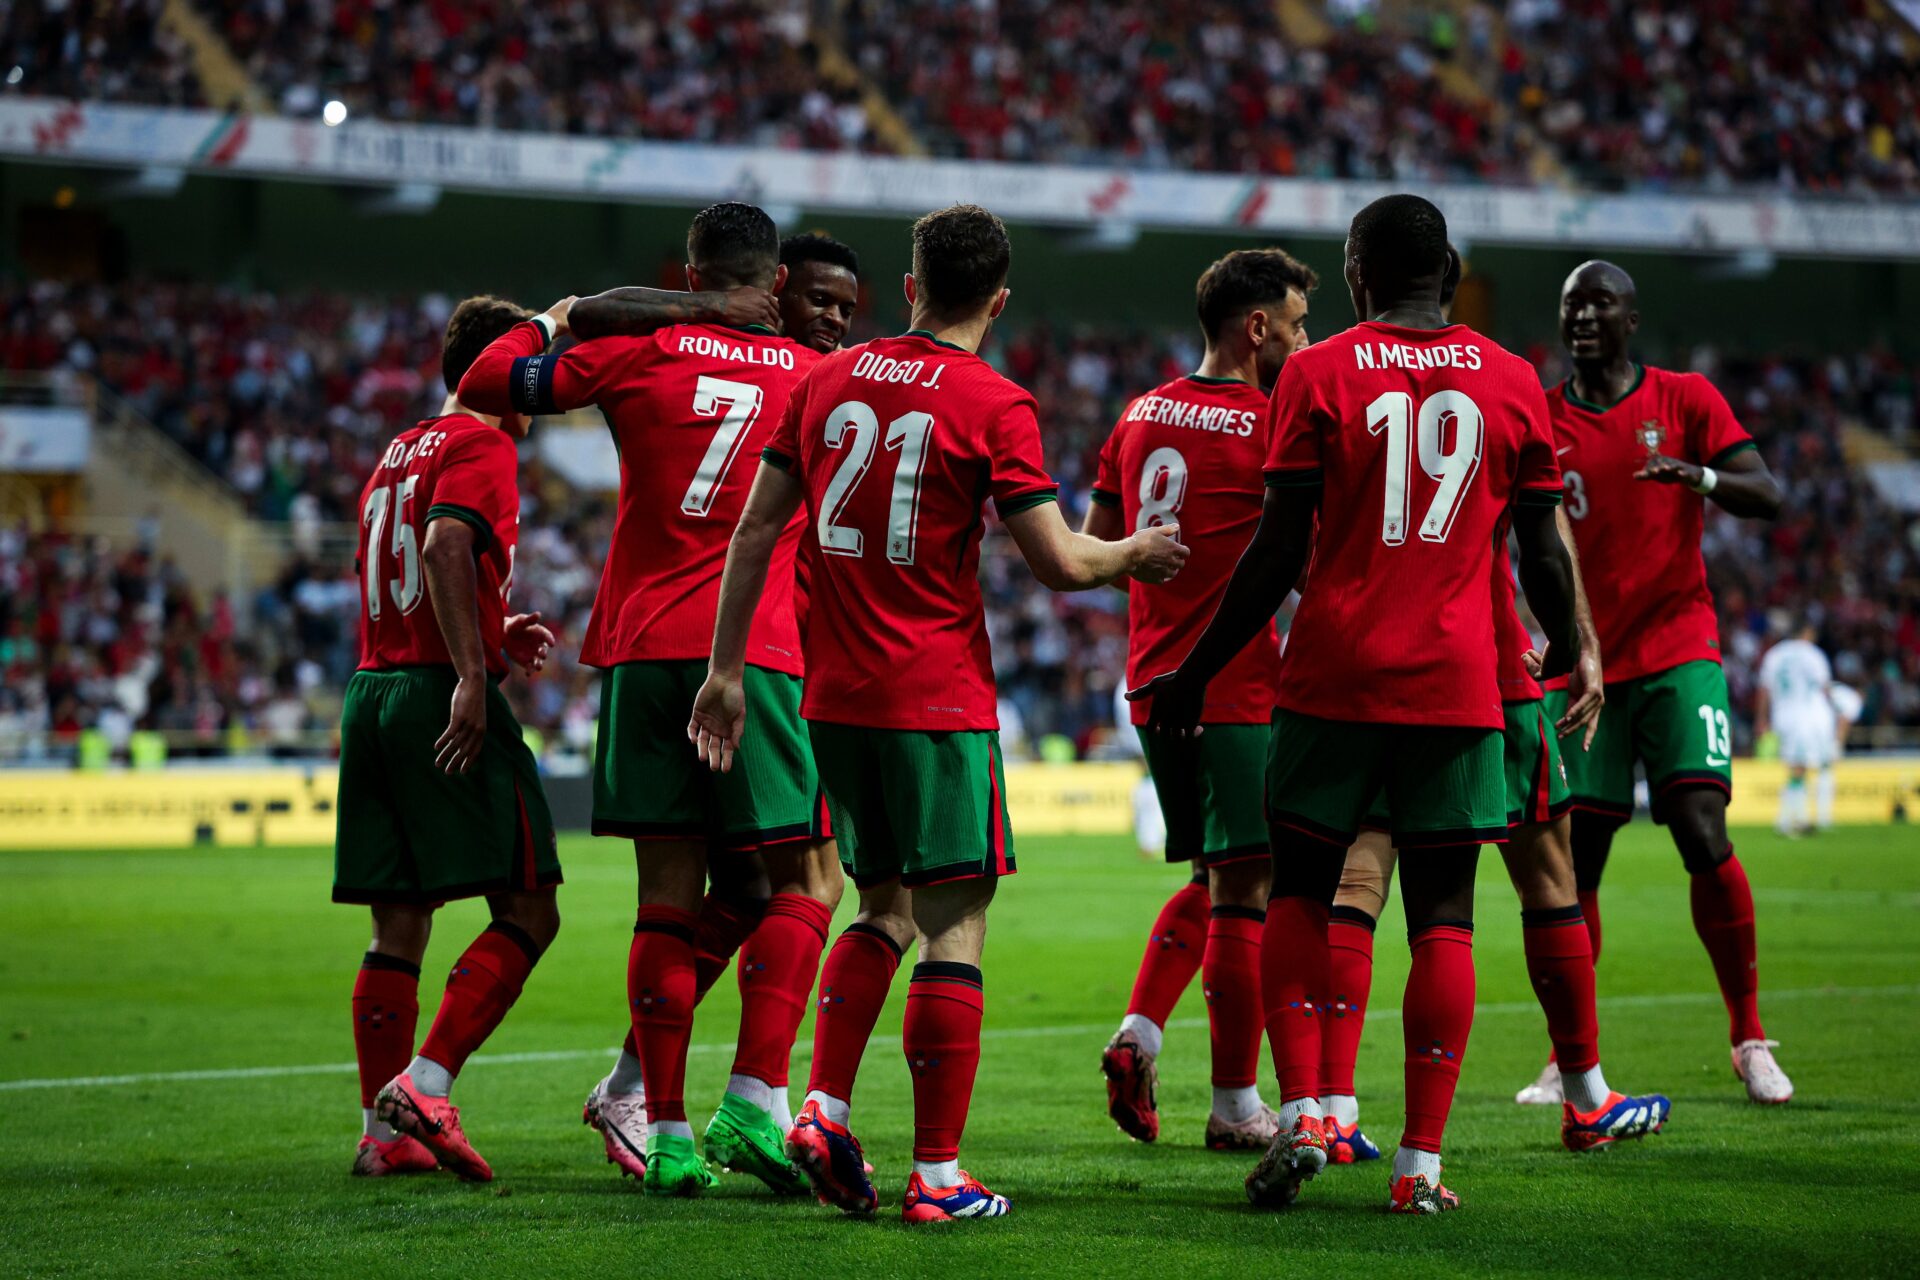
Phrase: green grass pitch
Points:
(142, 963)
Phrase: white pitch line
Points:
(992, 1033)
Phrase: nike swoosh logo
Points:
(1563, 451)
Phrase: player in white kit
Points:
(1793, 700)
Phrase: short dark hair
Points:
(961, 256)
(1245, 279)
(818, 246)
(474, 323)
(734, 244)
(1399, 239)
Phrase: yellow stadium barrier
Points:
(184, 806)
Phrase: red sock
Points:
(1173, 954)
(1560, 965)
(485, 982)
(1723, 917)
(1230, 976)
(386, 1008)
(660, 992)
(1436, 1015)
(853, 986)
(1590, 912)
(1293, 978)
(718, 933)
(1350, 982)
(777, 969)
(941, 1035)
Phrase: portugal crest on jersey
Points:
(1651, 434)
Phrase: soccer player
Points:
(1794, 699)
(1539, 861)
(439, 796)
(686, 404)
(1191, 451)
(815, 306)
(1643, 449)
(894, 447)
(822, 290)
(1413, 440)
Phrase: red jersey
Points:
(899, 443)
(686, 405)
(1191, 452)
(1419, 440)
(1639, 540)
(454, 466)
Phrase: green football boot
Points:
(744, 1139)
(674, 1168)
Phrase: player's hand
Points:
(719, 718)
(1177, 702)
(1664, 470)
(459, 747)
(747, 305)
(559, 313)
(1157, 553)
(528, 642)
(1586, 693)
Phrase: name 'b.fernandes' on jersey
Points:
(1190, 453)
(454, 466)
(1639, 541)
(690, 408)
(899, 444)
(1419, 440)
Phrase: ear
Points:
(999, 304)
(779, 278)
(693, 279)
(913, 290)
(1256, 327)
(1633, 322)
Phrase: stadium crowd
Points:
(1816, 98)
(1819, 98)
(291, 399)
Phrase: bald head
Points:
(1599, 312)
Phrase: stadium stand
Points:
(1822, 99)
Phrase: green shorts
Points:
(919, 807)
(1673, 722)
(649, 784)
(1443, 785)
(411, 834)
(1211, 791)
(1536, 780)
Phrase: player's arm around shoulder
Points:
(1067, 561)
(633, 310)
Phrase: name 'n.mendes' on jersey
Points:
(899, 444)
(690, 407)
(449, 467)
(1639, 541)
(1419, 441)
(1190, 453)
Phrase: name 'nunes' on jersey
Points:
(457, 467)
(1419, 440)
(1190, 453)
(899, 444)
